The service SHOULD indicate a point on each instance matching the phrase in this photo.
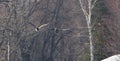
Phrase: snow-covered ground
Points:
(112, 58)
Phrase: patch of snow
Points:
(112, 58)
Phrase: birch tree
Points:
(87, 6)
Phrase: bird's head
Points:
(36, 29)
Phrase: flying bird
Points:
(40, 27)
(44, 25)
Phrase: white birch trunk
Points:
(8, 45)
(88, 19)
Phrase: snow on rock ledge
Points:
(112, 58)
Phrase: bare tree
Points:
(56, 42)
(87, 6)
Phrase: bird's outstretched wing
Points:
(65, 29)
(41, 26)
